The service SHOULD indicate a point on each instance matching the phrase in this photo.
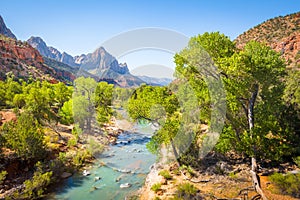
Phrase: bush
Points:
(35, 187)
(95, 147)
(156, 187)
(25, 137)
(288, 183)
(186, 191)
(165, 174)
(2, 176)
(81, 157)
(72, 142)
(297, 161)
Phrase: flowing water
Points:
(126, 162)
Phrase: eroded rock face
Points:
(289, 47)
(24, 61)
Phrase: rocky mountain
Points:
(280, 33)
(24, 61)
(156, 81)
(51, 52)
(4, 30)
(99, 63)
(105, 66)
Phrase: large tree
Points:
(103, 101)
(253, 79)
(84, 102)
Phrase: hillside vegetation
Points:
(280, 33)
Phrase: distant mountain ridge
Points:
(156, 81)
(51, 52)
(280, 33)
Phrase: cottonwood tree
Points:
(84, 102)
(253, 80)
(103, 101)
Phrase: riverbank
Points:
(66, 155)
(217, 178)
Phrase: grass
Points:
(156, 187)
(186, 191)
(287, 183)
(166, 174)
(232, 175)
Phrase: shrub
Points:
(25, 137)
(95, 147)
(35, 187)
(232, 175)
(2, 176)
(186, 191)
(288, 183)
(165, 174)
(72, 142)
(156, 187)
(297, 161)
(81, 157)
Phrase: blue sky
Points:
(77, 26)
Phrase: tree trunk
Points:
(255, 177)
(175, 152)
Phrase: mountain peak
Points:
(4, 30)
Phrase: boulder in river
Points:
(65, 175)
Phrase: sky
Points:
(81, 26)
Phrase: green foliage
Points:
(157, 105)
(66, 112)
(232, 175)
(121, 96)
(72, 142)
(84, 101)
(156, 187)
(80, 158)
(186, 191)
(256, 66)
(35, 187)
(95, 147)
(287, 183)
(297, 161)
(62, 93)
(166, 174)
(38, 100)
(189, 170)
(103, 101)
(77, 131)
(25, 137)
(2, 176)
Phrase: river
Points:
(126, 162)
